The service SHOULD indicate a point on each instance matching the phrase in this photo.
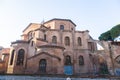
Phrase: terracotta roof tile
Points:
(5, 51)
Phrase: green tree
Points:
(105, 36)
(115, 31)
(110, 34)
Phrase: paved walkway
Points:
(47, 78)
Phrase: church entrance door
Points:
(42, 65)
(68, 68)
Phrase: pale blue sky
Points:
(97, 16)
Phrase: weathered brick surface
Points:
(37, 48)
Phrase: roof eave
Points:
(60, 19)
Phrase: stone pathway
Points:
(46, 78)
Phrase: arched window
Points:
(67, 41)
(79, 41)
(12, 57)
(34, 34)
(20, 58)
(45, 37)
(42, 65)
(30, 35)
(54, 39)
(68, 60)
(32, 43)
(81, 60)
(61, 27)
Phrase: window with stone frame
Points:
(32, 43)
(91, 46)
(61, 27)
(33, 35)
(45, 37)
(79, 41)
(12, 57)
(20, 57)
(68, 60)
(54, 39)
(30, 35)
(81, 60)
(42, 65)
(67, 41)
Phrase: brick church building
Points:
(53, 47)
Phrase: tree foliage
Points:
(110, 34)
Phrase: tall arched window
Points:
(61, 27)
(42, 65)
(67, 41)
(81, 60)
(32, 43)
(54, 39)
(12, 57)
(45, 37)
(20, 58)
(30, 35)
(79, 41)
(68, 60)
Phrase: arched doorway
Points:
(68, 60)
(68, 68)
(42, 65)
(103, 69)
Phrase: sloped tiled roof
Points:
(5, 51)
